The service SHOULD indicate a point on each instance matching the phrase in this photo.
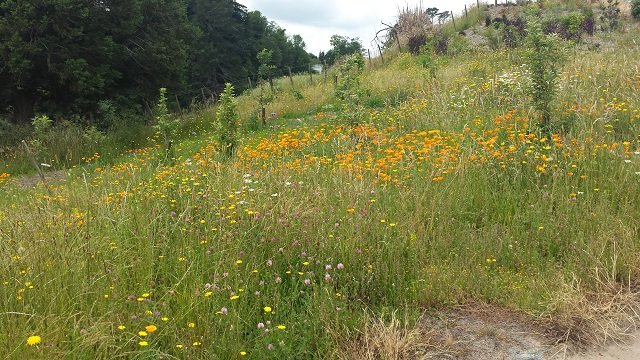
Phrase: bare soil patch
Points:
(50, 177)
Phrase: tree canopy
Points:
(63, 57)
(340, 46)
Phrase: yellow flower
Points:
(234, 297)
(191, 325)
(208, 293)
(151, 328)
(121, 327)
(179, 346)
(143, 333)
(143, 343)
(238, 262)
(196, 343)
(243, 353)
(281, 327)
(267, 309)
(34, 340)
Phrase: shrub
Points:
(227, 120)
(350, 70)
(416, 42)
(610, 16)
(572, 27)
(427, 61)
(442, 45)
(166, 125)
(543, 57)
(349, 91)
(41, 125)
(589, 25)
(635, 9)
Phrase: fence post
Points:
(454, 20)
(290, 76)
(250, 84)
(179, 107)
(369, 53)
(380, 51)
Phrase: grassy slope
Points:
(446, 194)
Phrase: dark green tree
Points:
(635, 9)
(222, 52)
(62, 57)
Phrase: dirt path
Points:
(483, 332)
(630, 351)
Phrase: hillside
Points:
(419, 207)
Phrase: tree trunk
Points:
(23, 104)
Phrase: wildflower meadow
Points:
(445, 192)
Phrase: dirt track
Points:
(629, 352)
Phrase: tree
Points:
(229, 40)
(265, 59)
(222, 51)
(432, 12)
(341, 46)
(63, 56)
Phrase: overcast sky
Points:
(317, 20)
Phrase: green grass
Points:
(446, 194)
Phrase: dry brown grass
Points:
(412, 21)
(596, 316)
(391, 340)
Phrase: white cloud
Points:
(317, 20)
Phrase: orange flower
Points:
(151, 328)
